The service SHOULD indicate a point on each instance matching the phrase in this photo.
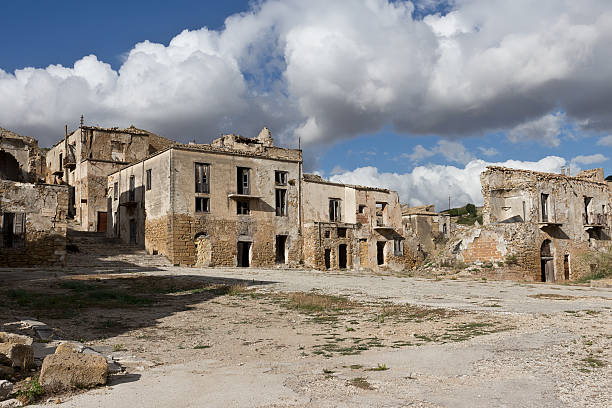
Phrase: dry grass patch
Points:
(552, 296)
(360, 382)
(314, 302)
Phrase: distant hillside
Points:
(466, 215)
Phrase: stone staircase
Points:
(95, 249)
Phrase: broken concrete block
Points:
(22, 355)
(68, 347)
(69, 370)
(6, 387)
(7, 340)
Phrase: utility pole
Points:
(449, 203)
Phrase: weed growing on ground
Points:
(379, 367)
(119, 347)
(360, 382)
(30, 391)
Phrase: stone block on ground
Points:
(6, 387)
(22, 355)
(11, 403)
(70, 370)
(69, 347)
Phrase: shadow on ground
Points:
(96, 305)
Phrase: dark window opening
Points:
(202, 204)
(148, 173)
(202, 178)
(544, 205)
(362, 209)
(327, 258)
(587, 207)
(341, 232)
(242, 207)
(61, 161)
(398, 247)
(244, 185)
(380, 214)
(9, 167)
(280, 178)
(326, 234)
(334, 209)
(281, 202)
(132, 193)
(115, 190)
(13, 230)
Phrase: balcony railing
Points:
(595, 219)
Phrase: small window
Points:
(341, 232)
(242, 207)
(149, 179)
(281, 202)
(243, 180)
(326, 234)
(362, 209)
(398, 247)
(202, 178)
(132, 188)
(280, 178)
(544, 206)
(202, 204)
(13, 228)
(115, 191)
(334, 209)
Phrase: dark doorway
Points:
(101, 221)
(9, 167)
(71, 202)
(327, 258)
(566, 271)
(342, 256)
(547, 265)
(132, 231)
(8, 224)
(281, 243)
(244, 249)
(380, 252)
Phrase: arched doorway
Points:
(547, 262)
(9, 167)
(203, 249)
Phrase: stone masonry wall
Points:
(45, 207)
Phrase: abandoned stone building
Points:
(233, 202)
(354, 227)
(32, 214)
(243, 202)
(546, 223)
(84, 158)
(425, 228)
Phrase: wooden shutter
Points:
(19, 227)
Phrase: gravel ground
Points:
(398, 341)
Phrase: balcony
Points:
(593, 221)
(70, 165)
(235, 196)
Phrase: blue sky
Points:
(401, 88)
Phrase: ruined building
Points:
(244, 202)
(546, 223)
(84, 159)
(425, 229)
(32, 214)
(232, 202)
(355, 227)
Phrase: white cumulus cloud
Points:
(434, 183)
(326, 70)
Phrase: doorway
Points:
(566, 270)
(547, 262)
(244, 254)
(132, 231)
(327, 258)
(8, 224)
(380, 252)
(342, 256)
(281, 244)
(102, 221)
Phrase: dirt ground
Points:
(193, 337)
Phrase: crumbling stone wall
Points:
(516, 224)
(26, 154)
(45, 208)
